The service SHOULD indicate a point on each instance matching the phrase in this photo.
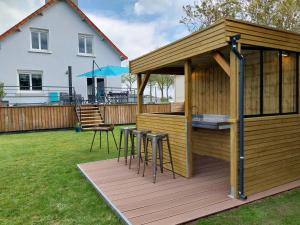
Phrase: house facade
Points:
(37, 51)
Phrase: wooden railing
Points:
(27, 118)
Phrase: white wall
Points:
(179, 88)
(63, 24)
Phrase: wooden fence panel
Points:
(26, 118)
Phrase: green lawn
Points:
(40, 184)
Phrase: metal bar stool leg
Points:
(154, 157)
(107, 142)
(160, 152)
(121, 134)
(146, 156)
(139, 150)
(93, 141)
(170, 155)
(126, 145)
(100, 139)
(132, 143)
(112, 132)
(131, 150)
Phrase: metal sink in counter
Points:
(211, 121)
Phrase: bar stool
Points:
(127, 132)
(157, 140)
(140, 135)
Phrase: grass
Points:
(39, 184)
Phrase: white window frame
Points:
(39, 31)
(85, 36)
(29, 72)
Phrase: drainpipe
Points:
(241, 58)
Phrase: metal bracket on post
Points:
(93, 84)
(70, 85)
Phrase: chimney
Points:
(75, 1)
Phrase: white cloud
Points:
(12, 11)
(163, 8)
(139, 37)
(150, 7)
(134, 38)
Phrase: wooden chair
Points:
(104, 128)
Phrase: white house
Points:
(37, 51)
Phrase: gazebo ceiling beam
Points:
(169, 70)
(219, 58)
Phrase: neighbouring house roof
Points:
(74, 7)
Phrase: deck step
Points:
(84, 107)
(90, 113)
(89, 110)
(89, 121)
(90, 125)
(90, 117)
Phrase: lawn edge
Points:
(105, 198)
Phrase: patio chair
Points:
(104, 128)
(53, 97)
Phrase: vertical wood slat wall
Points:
(272, 152)
(214, 143)
(28, 118)
(210, 90)
(175, 126)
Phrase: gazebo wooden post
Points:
(141, 84)
(188, 114)
(234, 114)
(139, 95)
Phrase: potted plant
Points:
(2, 93)
(78, 127)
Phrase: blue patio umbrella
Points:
(106, 71)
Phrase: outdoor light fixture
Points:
(284, 54)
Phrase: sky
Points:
(135, 26)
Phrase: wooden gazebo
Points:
(246, 72)
(238, 135)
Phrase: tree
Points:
(284, 14)
(163, 82)
(129, 79)
(207, 12)
(151, 83)
(160, 82)
(170, 79)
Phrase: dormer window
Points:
(85, 44)
(39, 40)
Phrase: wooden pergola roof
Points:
(212, 38)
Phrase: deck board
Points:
(170, 201)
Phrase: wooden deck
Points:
(136, 200)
